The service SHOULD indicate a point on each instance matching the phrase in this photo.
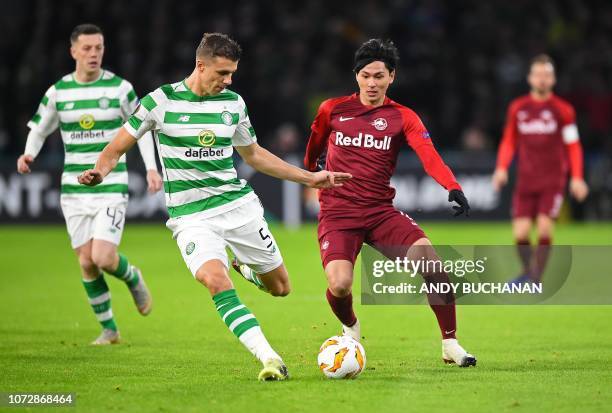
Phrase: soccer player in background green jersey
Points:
(197, 123)
(89, 106)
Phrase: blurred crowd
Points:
(461, 61)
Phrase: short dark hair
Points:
(376, 50)
(85, 28)
(218, 44)
(542, 59)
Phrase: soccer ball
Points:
(341, 357)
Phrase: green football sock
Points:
(100, 300)
(126, 272)
(239, 319)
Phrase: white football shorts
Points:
(243, 229)
(94, 219)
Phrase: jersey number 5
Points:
(266, 237)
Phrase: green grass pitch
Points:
(183, 358)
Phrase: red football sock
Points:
(443, 306)
(342, 308)
(524, 251)
(541, 258)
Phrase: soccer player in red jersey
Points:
(362, 134)
(541, 127)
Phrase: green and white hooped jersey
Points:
(195, 137)
(88, 115)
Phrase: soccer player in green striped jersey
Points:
(197, 123)
(89, 106)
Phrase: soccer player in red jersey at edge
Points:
(541, 127)
(362, 134)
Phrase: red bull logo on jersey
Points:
(363, 140)
(380, 123)
(544, 125)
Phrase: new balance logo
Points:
(183, 118)
(363, 140)
(343, 119)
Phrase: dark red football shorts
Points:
(531, 204)
(341, 233)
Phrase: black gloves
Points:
(457, 196)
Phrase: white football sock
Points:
(256, 342)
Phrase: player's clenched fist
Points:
(23, 164)
(90, 177)
(326, 179)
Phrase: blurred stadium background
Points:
(461, 64)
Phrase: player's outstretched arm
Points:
(270, 164)
(419, 140)
(436, 168)
(108, 158)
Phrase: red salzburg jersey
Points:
(545, 135)
(365, 141)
